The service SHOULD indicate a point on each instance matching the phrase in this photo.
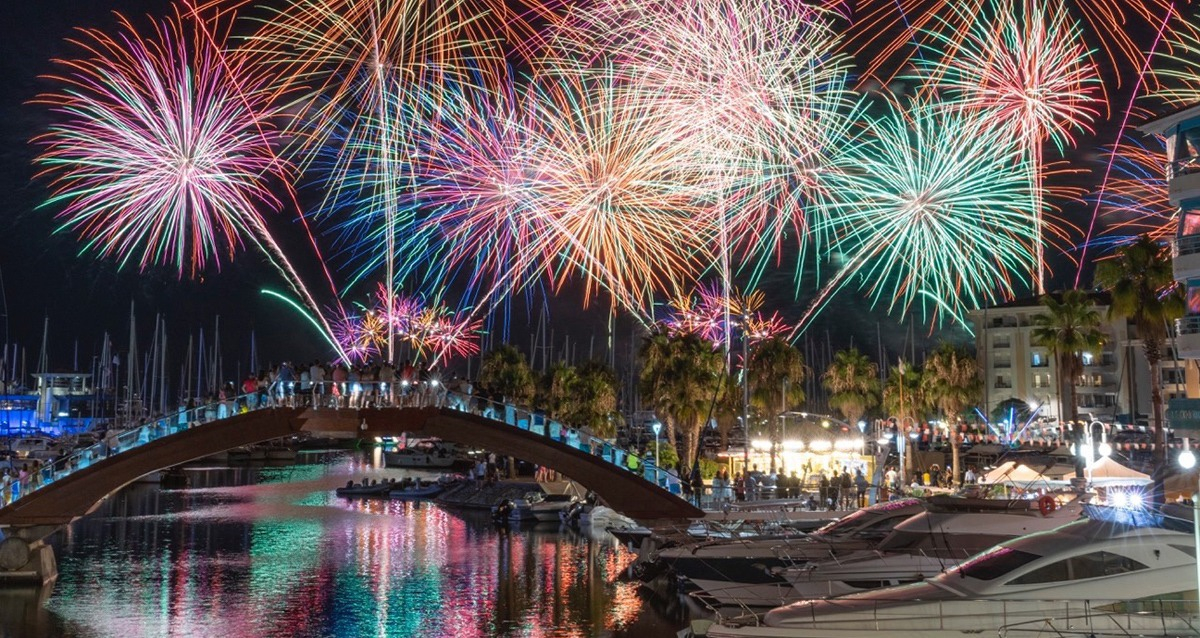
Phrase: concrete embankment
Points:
(481, 495)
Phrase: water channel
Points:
(271, 552)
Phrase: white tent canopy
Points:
(1017, 475)
(1106, 471)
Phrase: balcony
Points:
(1185, 257)
(1188, 336)
(1184, 183)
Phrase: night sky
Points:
(44, 276)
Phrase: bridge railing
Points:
(117, 441)
(537, 423)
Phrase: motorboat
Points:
(1112, 574)
(547, 509)
(941, 533)
(534, 506)
(427, 454)
(736, 568)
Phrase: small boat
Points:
(365, 490)
(424, 455)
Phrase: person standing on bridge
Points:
(339, 383)
(316, 376)
(697, 483)
(387, 384)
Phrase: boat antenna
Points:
(4, 306)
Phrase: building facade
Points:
(1113, 388)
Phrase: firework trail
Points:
(937, 212)
(1022, 64)
(1175, 74)
(1136, 197)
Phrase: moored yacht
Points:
(733, 569)
(1100, 576)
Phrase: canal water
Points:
(271, 552)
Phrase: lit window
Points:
(1088, 358)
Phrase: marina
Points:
(600, 319)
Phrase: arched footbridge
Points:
(72, 486)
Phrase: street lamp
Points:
(1187, 460)
(657, 426)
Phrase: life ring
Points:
(1047, 505)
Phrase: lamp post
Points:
(657, 425)
(1187, 460)
(745, 398)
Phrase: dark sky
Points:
(43, 275)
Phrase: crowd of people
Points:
(338, 385)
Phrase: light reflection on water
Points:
(272, 552)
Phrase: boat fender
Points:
(1047, 505)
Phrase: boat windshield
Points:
(995, 563)
(862, 517)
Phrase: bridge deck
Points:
(72, 487)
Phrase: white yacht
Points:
(733, 570)
(939, 536)
(1106, 575)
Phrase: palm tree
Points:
(681, 376)
(654, 379)
(1067, 329)
(506, 373)
(904, 399)
(777, 374)
(951, 381)
(1145, 292)
(594, 400)
(852, 381)
(727, 409)
(557, 393)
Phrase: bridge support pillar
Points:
(25, 558)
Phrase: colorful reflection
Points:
(271, 552)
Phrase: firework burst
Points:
(615, 189)
(162, 155)
(479, 186)
(758, 86)
(937, 210)
(1023, 65)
